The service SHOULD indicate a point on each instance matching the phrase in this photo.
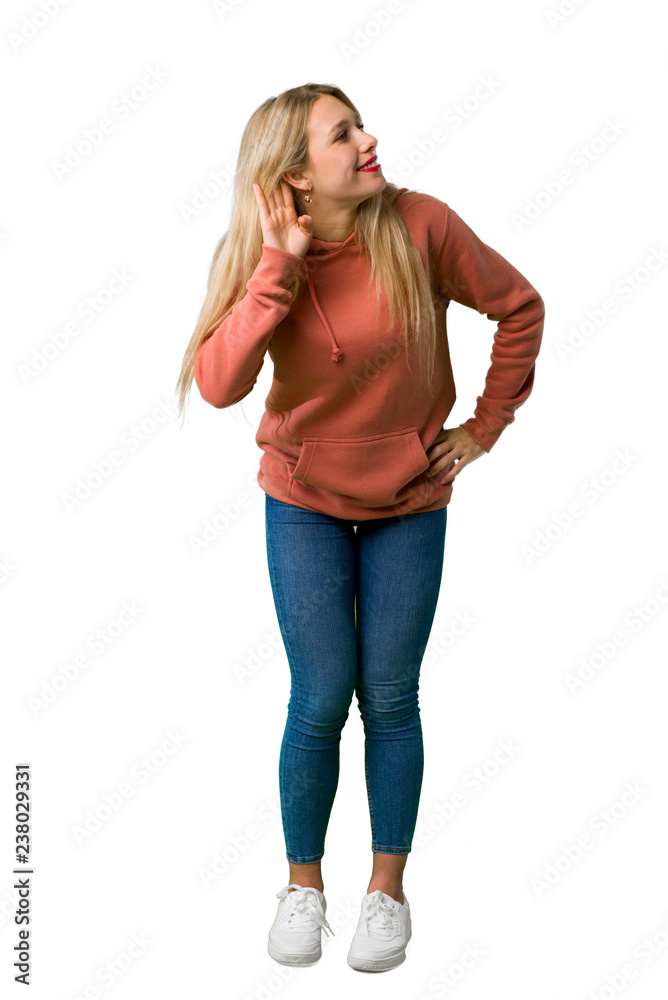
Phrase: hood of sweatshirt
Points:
(319, 248)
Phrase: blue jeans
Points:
(355, 603)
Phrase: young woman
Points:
(357, 466)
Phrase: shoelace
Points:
(304, 907)
(380, 916)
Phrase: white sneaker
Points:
(294, 937)
(383, 931)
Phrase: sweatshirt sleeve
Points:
(472, 273)
(228, 362)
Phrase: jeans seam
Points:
(392, 850)
(368, 791)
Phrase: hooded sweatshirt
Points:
(347, 425)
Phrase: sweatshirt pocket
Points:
(376, 471)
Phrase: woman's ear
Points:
(296, 181)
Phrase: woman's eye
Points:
(360, 127)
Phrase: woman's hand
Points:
(450, 446)
(280, 226)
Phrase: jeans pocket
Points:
(377, 471)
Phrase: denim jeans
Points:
(355, 603)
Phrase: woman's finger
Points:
(262, 204)
(286, 192)
(451, 450)
(272, 195)
(439, 455)
(451, 468)
(444, 462)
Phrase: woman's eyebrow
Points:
(346, 121)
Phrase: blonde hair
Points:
(274, 142)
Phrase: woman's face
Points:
(337, 147)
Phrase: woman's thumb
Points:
(305, 223)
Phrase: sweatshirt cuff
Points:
(280, 262)
(485, 429)
(275, 271)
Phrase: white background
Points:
(538, 612)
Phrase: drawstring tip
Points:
(337, 354)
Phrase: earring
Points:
(306, 197)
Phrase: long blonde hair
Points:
(274, 142)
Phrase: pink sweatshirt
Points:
(346, 425)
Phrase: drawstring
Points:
(337, 353)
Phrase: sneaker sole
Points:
(381, 965)
(295, 959)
